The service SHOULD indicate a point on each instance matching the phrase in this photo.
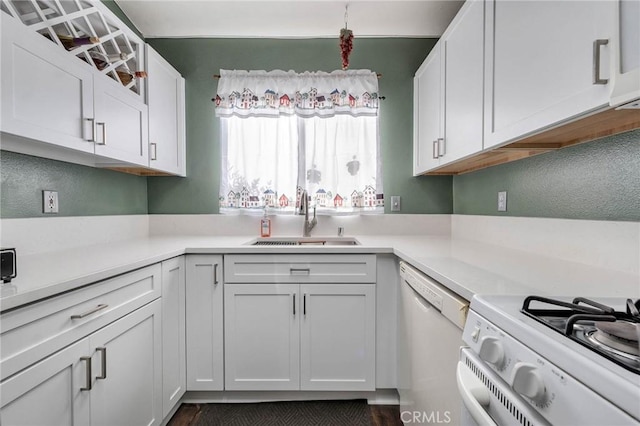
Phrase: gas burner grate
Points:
(575, 320)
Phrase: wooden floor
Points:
(379, 415)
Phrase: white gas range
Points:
(567, 361)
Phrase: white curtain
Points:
(326, 144)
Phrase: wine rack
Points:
(118, 54)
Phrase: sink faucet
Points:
(304, 209)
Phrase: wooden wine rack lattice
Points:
(84, 18)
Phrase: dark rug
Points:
(289, 413)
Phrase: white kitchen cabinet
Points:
(35, 331)
(626, 63)
(463, 56)
(54, 391)
(308, 337)
(174, 364)
(121, 124)
(127, 384)
(104, 337)
(262, 337)
(45, 95)
(310, 317)
(338, 337)
(166, 102)
(448, 93)
(543, 66)
(204, 319)
(56, 98)
(111, 377)
(427, 112)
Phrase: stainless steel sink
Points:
(305, 241)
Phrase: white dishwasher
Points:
(430, 324)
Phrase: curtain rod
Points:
(217, 76)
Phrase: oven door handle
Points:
(475, 395)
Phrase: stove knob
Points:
(491, 350)
(527, 381)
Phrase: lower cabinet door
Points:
(53, 391)
(205, 332)
(127, 370)
(337, 337)
(262, 333)
(174, 365)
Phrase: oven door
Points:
(487, 399)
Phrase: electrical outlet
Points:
(395, 203)
(502, 201)
(50, 201)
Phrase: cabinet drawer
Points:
(300, 268)
(29, 334)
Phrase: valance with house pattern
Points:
(272, 93)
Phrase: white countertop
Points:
(465, 267)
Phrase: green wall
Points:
(82, 191)
(199, 59)
(597, 180)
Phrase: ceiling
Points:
(289, 18)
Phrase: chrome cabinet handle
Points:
(87, 360)
(597, 44)
(435, 150)
(104, 132)
(215, 274)
(294, 304)
(93, 129)
(154, 155)
(103, 362)
(299, 271)
(92, 311)
(443, 151)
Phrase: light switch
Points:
(395, 203)
(502, 201)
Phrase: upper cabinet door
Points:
(427, 112)
(166, 99)
(45, 96)
(463, 83)
(626, 63)
(121, 126)
(544, 64)
(449, 93)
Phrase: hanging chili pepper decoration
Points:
(346, 41)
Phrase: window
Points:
(283, 133)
